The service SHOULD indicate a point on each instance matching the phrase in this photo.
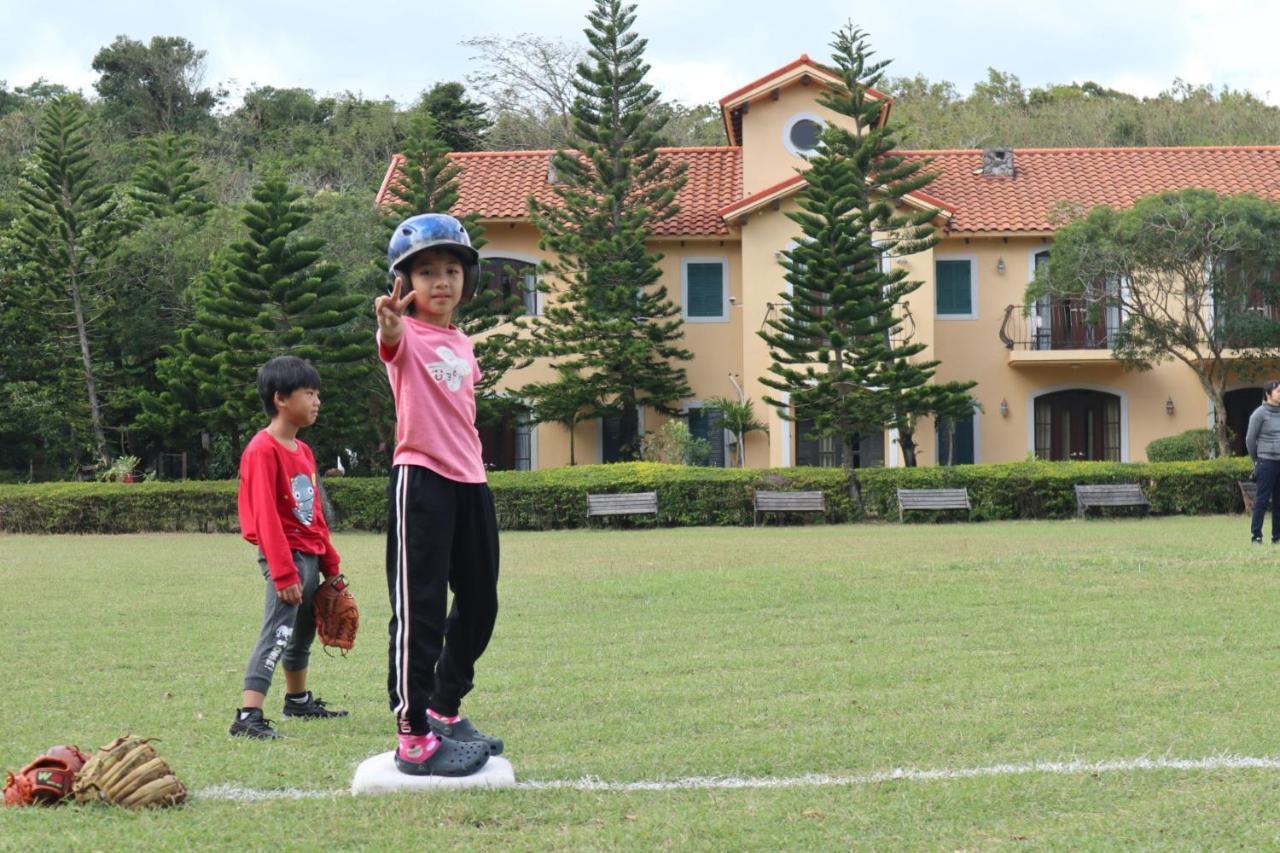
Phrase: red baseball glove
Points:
(47, 779)
(337, 617)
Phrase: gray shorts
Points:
(287, 629)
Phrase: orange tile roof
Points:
(1044, 178)
(795, 182)
(497, 184)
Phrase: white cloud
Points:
(698, 51)
(694, 81)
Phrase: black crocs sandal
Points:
(464, 732)
(451, 758)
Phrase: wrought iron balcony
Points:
(1063, 324)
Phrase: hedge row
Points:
(1045, 489)
(555, 499)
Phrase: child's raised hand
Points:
(390, 309)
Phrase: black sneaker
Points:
(1257, 540)
(463, 732)
(250, 723)
(312, 709)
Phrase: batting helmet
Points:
(435, 231)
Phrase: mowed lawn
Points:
(667, 654)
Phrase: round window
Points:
(802, 134)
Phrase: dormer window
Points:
(801, 134)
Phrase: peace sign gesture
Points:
(389, 309)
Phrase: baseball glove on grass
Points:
(47, 780)
(127, 772)
(337, 617)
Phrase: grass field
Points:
(669, 654)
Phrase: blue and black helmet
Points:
(434, 231)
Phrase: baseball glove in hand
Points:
(337, 617)
(46, 780)
(128, 772)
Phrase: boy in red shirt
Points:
(281, 512)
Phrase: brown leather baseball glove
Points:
(47, 780)
(337, 617)
(127, 772)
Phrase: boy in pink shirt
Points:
(442, 530)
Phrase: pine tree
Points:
(271, 296)
(67, 228)
(168, 182)
(153, 269)
(613, 324)
(428, 183)
(841, 355)
(461, 122)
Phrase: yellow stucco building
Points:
(1047, 381)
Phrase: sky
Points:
(698, 50)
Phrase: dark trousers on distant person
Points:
(442, 536)
(1268, 472)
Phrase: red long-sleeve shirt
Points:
(280, 507)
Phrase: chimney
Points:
(552, 177)
(997, 162)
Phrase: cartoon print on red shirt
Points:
(304, 498)
(451, 369)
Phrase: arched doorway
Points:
(1078, 425)
(1240, 405)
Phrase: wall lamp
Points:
(1168, 406)
(1004, 408)
(1000, 265)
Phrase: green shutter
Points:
(706, 290)
(953, 287)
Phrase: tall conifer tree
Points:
(271, 296)
(168, 182)
(613, 326)
(67, 228)
(842, 355)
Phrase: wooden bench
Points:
(933, 499)
(787, 502)
(1248, 491)
(633, 503)
(1126, 494)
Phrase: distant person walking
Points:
(1263, 444)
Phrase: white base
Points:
(379, 775)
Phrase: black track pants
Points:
(442, 535)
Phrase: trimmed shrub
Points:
(207, 506)
(687, 496)
(527, 500)
(1046, 489)
(1184, 447)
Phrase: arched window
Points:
(1078, 425)
(1240, 405)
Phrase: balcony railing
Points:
(1064, 324)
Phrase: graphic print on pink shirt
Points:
(433, 372)
(450, 369)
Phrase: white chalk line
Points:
(817, 780)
